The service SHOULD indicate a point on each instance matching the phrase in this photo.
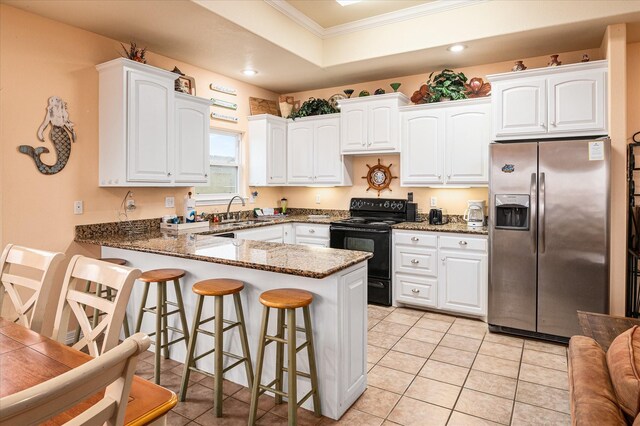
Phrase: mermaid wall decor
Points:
(61, 135)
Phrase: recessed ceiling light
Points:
(347, 2)
(249, 72)
(456, 48)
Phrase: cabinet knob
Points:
(542, 125)
(439, 176)
(415, 239)
(553, 123)
(415, 261)
(312, 231)
(415, 291)
(448, 176)
(169, 174)
(462, 243)
(206, 175)
(444, 259)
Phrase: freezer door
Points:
(512, 252)
(573, 233)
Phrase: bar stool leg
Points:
(243, 339)
(165, 315)
(253, 411)
(280, 356)
(183, 317)
(158, 336)
(292, 392)
(217, 367)
(312, 361)
(191, 349)
(145, 293)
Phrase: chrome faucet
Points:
(231, 201)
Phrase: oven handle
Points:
(370, 231)
(375, 284)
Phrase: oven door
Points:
(377, 242)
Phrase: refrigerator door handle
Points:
(542, 202)
(533, 191)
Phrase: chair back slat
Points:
(112, 371)
(39, 309)
(74, 302)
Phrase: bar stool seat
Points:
(161, 333)
(218, 287)
(286, 298)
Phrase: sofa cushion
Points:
(623, 360)
(593, 400)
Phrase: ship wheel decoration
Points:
(379, 177)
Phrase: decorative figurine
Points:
(585, 58)
(477, 88)
(364, 93)
(134, 53)
(554, 61)
(348, 92)
(62, 134)
(519, 66)
(395, 86)
(379, 92)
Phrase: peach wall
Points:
(633, 89)
(454, 200)
(40, 58)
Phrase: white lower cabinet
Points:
(271, 234)
(442, 271)
(312, 234)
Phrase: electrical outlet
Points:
(78, 207)
(169, 202)
(434, 201)
(317, 198)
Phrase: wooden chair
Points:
(39, 309)
(112, 372)
(73, 300)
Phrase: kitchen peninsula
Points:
(337, 279)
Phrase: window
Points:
(224, 167)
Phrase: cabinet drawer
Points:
(316, 231)
(315, 242)
(413, 260)
(462, 242)
(416, 289)
(416, 239)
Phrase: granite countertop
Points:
(454, 227)
(312, 262)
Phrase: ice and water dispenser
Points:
(512, 211)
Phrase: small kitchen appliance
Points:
(475, 213)
(369, 229)
(436, 217)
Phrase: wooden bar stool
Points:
(161, 277)
(288, 299)
(100, 292)
(218, 288)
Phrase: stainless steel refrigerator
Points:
(549, 235)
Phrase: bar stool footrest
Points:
(204, 354)
(299, 373)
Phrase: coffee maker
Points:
(475, 213)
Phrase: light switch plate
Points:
(169, 202)
(317, 198)
(434, 201)
(78, 207)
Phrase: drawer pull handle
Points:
(312, 231)
(415, 239)
(415, 291)
(462, 243)
(415, 261)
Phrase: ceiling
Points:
(222, 37)
(328, 13)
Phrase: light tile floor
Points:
(424, 369)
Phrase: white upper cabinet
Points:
(192, 137)
(446, 143)
(267, 150)
(467, 137)
(564, 101)
(370, 124)
(148, 137)
(313, 155)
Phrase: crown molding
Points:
(303, 20)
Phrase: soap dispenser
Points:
(189, 209)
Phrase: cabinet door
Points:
(422, 147)
(577, 103)
(353, 128)
(276, 153)
(327, 159)
(463, 282)
(267, 233)
(520, 108)
(467, 140)
(150, 133)
(382, 132)
(300, 152)
(192, 142)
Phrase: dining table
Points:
(28, 358)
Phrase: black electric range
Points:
(369, 229)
